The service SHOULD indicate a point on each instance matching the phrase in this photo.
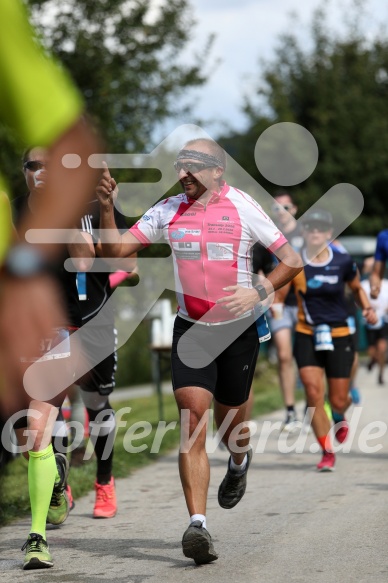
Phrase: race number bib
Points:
(263, 331)
(322, 337)
(58, 346)
(81, 286)
(351, 322)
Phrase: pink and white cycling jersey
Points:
(210, 246)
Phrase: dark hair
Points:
(26, 154)
(282, 192)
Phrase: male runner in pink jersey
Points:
(210, 228)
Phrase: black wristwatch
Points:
(23, 261)
(261, 291)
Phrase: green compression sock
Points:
(42, 471)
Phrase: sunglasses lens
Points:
(321, 227)
(277, 208)
(191, 167)
(178, 166)
(33, 165)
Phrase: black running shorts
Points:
(101, 377)
(337, 363)
(373, 335)
(228, 376)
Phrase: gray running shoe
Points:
(233, 486)
(60, 504)
(290, 424)
(197, 544)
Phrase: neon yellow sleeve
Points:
(5, 221)
(37, 99)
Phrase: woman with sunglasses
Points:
(323, 342)
(50, 112)
(50, 496)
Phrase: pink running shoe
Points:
(106, 503)
(327, 462)
(70, 496)
(341, 433)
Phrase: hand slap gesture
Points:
(107, 188)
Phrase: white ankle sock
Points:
(238, 468)
(199, 517)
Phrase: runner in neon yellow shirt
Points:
(39, 103)
(37, 100)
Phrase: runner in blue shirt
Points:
(381, 257)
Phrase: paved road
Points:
(293, 525)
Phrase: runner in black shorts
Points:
(229, 376)
(98, 384)
(210, 228)
(377, 349)
(323, 342)
(377, 335)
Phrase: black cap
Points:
(318, 216)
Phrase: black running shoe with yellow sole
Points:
(233, 486)
(60, 504)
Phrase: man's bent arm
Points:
(112, 243)
(290, 264)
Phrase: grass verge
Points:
(142, 419)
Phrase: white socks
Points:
(239, 468)
(199, 517)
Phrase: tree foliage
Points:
(124, 55)
(338, 90)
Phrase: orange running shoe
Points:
(106, 503)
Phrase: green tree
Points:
(338, 90)
(125, 58)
